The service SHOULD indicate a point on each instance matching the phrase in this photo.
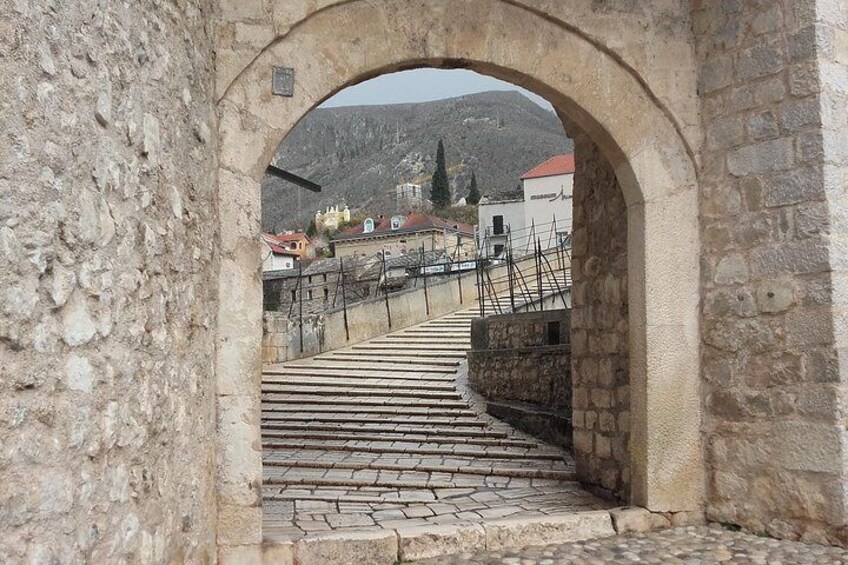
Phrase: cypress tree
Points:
(473, 192)
(440, 193)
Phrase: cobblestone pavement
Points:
(384, 434)
(687, 546)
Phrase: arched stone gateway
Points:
(595, 91)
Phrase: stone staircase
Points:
(383, 439)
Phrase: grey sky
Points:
(422, 85)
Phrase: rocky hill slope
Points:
(359, 153)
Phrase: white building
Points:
(275, 257)
(548, 190)
(409, 196)
(331, 218)
(497, 215)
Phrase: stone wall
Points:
(773, 260)
(599, 323)
(366, 319)
(107, 282)
(522, 358)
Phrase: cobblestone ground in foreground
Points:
(689, 546)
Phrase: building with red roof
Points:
(555, 166)
(403, 234)
(280, 251)
(548, 189)
(540, 211)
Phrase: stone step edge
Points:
(406, 451)
(354, 382)
(388, 435)
(369, 428)
(401, 544)
(518, 473)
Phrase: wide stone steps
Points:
(366, 418)
(424, 340)
(417, 361)
(381, 436)
(412, 448)
(301, 402)
(388, 346)
(373, 382)
(395, 392)
(526, 472)
(367, 429)
(355, 372)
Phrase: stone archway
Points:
(342, 45)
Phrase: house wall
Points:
(406, 243)
(273, 262)
(513, 219)
(542, 210)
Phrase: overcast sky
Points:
(422, 85)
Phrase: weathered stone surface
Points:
(600, 362)
(107, 421)
(424, 542)
(766, 328)
(631, 519)
(342, 548)
(507, 533)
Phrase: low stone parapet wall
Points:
(281, 339)
(521, 364)
(533, 375)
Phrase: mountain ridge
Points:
(359, 153)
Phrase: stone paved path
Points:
(384, 435)
(685, 546)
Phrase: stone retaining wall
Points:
(521, 364)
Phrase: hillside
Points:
(359, 153)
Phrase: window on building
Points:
(553, 333)
(498, 250)
(324, 276)
(309, 295)
(326, 294)
(294, 296)
(497, 225)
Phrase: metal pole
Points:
(538, 245)
(459, 280)
(344, 299)
(509, 266)
(386, 289)
(426, 295)
(479, 284)
(300, 302)
(553, 232)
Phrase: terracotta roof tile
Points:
(556, 165)
(413, 222)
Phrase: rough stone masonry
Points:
(133, 137)
(107, 218)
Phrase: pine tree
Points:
(312, 229)
(473, 192)
(440, 193)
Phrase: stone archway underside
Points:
(337, 47)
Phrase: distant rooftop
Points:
(556, 165)
(414, 222)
